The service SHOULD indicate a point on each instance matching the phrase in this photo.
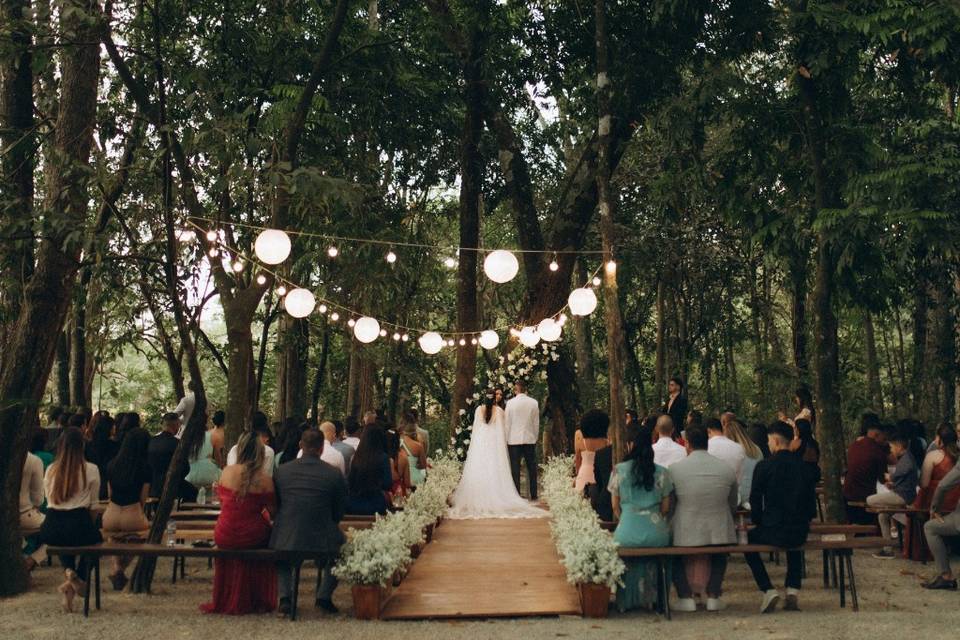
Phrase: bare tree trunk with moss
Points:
(874, 392)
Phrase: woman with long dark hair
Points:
(246, 492)
(102, 447)
(371, 476)
(128, 482)
(805, 445)
(641, 501)
(72, 486)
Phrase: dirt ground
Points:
(891, 600)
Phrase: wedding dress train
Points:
(486, 488)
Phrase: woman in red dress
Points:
(247, 500)
(937, 463)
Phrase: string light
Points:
(281, 291)
(405, 337)
(611, 267)
(396, 336)
(351, 323)
(391, 257)
(261, 279)
(322, 308)
(333, 252)
(334, 316)
(596, 281)
(473, 341)
(553, 263)
(450, 262)
(212, 236)
(463, 342)
(238, 266)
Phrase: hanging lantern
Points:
(582, 301)
(529, 336)
(272, 246)
(431, 342)
(501, 266)
(299, 303)
(549, 330)
(489, 339)
(366, 329)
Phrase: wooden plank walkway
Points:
(486, 569)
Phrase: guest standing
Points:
(665, 450)
(247, 498)
(311, 501)
(72, 486)
(706, 497)
(353, 429)
(185, 407)
(866, 466)
(902, 487)
(370, 477)
(782, 503)
(641, 493)
(805, 445)
(676, 405)
(128, 480)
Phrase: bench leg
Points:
(664, 585)
(96, 580)
(183, 567)
(854, 601)
(295, 599)
(173, 580)
(86, 596)
(843, 586)
(826, 569)
(833, 569)
(803, 564)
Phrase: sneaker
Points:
(716, 604)
(792, 603)
(941, 583)
(886, 554)
(770, 599)
(688, 605)
(327, 605)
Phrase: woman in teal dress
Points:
(204, 472)
(641, 492)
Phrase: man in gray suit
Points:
(311, 501)
(706, 498)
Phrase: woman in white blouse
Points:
(72, 486)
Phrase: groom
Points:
(523, 428)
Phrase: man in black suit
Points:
(160, 452)
(311, 501)
(782, 502)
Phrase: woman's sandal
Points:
(67, 593)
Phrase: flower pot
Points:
(366, 601)
(415, 551)
(397, 577)
(594, 600)
(430, 528)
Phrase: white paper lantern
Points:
(299, 303)
(549, 330)
(431, 342)
(272, 246)
(529, 336)
(582, 301)
(489, 339)
(501, 266)
(366, 329)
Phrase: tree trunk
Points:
(874, 392)
(660, 365)
(353, 380)
(471, 190)
(63, 369)
(78, 344)
(292, 365)
(583, 345)
(320, 372)
(46, 297)
(798, 314)
(921, 305)
(607, 202)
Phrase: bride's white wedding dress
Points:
(486, 487)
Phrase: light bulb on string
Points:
(463, 342)
(473, 341)
(553, 263)
(582, 301)
(334, 316)
(366, 329)
(391, 257)
(450, 262)
(596, 281)
(563, 319)
(501, 266)
(281, 291)
(213, 253)
(450, 343)
(611, 267)
(272, 246)
(405, 337)
(261, 279)
(396, 336)
(489, 339)
(238, 266)
(212, 236)
(333, 252)
(351, 322)
(383, 333)
(322, 308)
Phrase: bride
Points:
(486, 487)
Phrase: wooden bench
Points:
(843, 549)
(93, 553)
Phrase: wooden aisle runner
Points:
(486, 568)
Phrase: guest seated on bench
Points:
(596, 421)
(128, 481)
(311, 500)
(783, 501)
(866, 466)
(940, 527)
(246, 491)
(72, 486)
(706, 497)
(641, 493)
(31, 501)
(902, 485)
(370, 474)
